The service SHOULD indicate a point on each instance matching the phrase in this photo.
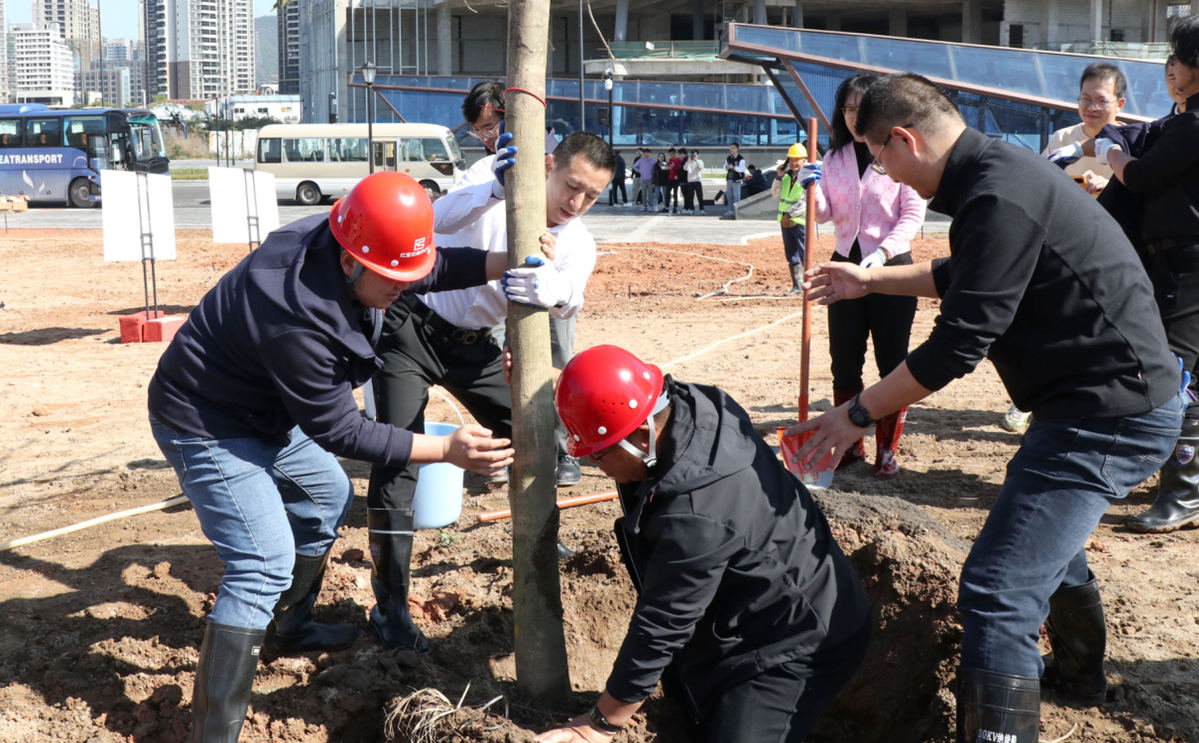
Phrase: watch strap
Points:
(601, 723)
(858, 414)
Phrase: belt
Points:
(465, 336)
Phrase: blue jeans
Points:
(732, 194)
(1060, 483)
(259, 504)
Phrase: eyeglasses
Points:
(1100, 103)
(875, 164)
(487, 132)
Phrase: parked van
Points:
(312, 162)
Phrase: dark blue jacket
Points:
(735, 567)
(278, 343)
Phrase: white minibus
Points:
(312, 162)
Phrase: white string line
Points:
(715, 296)
(722, 341)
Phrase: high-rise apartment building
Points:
(198, 49)
(5, 82)
(79, 22)
(288, 18)
(43, 65)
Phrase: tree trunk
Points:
(542, 677)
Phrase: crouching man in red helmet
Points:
(253, 399)
(742, 591)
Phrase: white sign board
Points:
(235, 196)
(137, 205)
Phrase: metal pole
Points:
(582, 117)
(370, 125)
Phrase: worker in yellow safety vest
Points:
(788, 188)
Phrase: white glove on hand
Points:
(874, 260)
(810, 173)
(1064, 156)
(537, 284)
(1103, 145)
(505, 157)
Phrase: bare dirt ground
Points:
(99, 627)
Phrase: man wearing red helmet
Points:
(742, 591)
(253, 399)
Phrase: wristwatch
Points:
(599, 722)
(858, 414)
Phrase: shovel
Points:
(819, 474)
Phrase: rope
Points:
(526, 92)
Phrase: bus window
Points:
(45, 132)
(347, 149)
(269, 150)
(434, 150)
(10, 132)
(84, 132)
(304, 149)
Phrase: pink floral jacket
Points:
(874, 209)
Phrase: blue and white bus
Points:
(56, 156)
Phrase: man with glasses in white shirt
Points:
(483, 109)
(1100, 100)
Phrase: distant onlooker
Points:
(646, 166)
(618, 182)
(734, 166)
(662, 182)
(1100, 100)
(636, 176)
(755, 183)
(693, 191)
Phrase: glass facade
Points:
(645, 112)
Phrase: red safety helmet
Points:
(604, 394)
(386, 222)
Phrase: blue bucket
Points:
(438, 498)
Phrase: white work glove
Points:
(874, 260)
(537, 284)
(811, 173)
(505, 157)
(1065, 156)
(1103, 145)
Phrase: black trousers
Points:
(624, 195)
(418, 350)
(887, 320)
(782, 704)
(693, 195)
(1174, 272)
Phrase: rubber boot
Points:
(293, 628)
(886, 443)
(796, 279)
(1177, 502)
(997, 707)
(1078, 636)
(224, 680)
(390, 534)
(857, 452)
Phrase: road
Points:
(607, 224)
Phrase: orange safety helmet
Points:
(603, 395)
(386, 222)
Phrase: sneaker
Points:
(568, 471)
(1015, 420)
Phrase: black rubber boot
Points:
(796, 279)
(1177, 502)
(224, 680)
(997, 707)
(293, 627)
(390, 534)
(1078, 636)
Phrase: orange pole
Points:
(577, 500)
(809, 244)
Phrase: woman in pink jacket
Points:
(874, 219)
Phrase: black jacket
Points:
(278, 343)
(1166, 175)
(735, 566)
(1043, 282)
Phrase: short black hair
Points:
(1184, 40)
(752, 168)
(672, 150)
(1105, 71)
(594, 148)
(735, 144)
(839, 136)
(487, 94)
(904, 100)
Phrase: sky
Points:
(118, 18)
